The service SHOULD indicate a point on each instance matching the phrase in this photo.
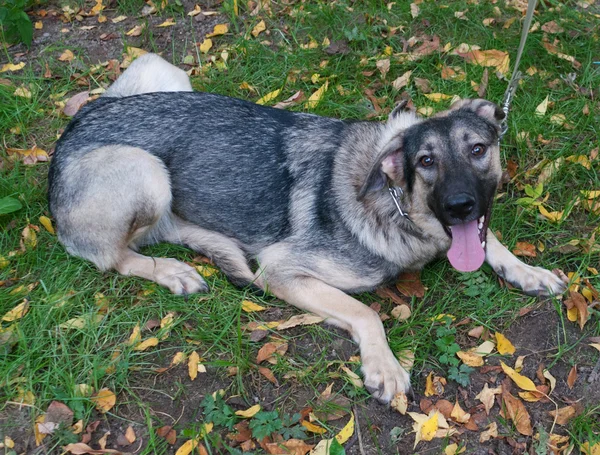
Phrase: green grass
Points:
(49, 361)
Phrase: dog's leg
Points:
(226, 252)
(531, 280)
(384, 377)
(106, 201)
(149, 73)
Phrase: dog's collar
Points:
(397, 193)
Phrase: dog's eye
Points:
(426, 161)
(478, 150)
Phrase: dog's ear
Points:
(486, 109)
(387, 166)
(400, 107)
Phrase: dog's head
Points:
(449, 169)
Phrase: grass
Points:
(49, 362)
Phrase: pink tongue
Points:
(466, 253)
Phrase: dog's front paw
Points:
(384, 377)
(534, 280)
(178, 277)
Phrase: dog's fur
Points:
(293, 203)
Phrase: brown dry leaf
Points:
(444, 406)
(453, 73)
(489, 433)
(429, 46)
(67, 56)
(564, 415)
(353, 377)
(104, 400)
(401, 312)
(289, 447)
(383, 66)
(300, 319)
(59, 414)
(80, 448)
(168, 433)
(102, 441)
(422, 84)
(458, 414)
(409, 285)
(486, 396)
(267, 373)
(572, 377)
(194, 365)
(400, 403)
(28, 156)
(525, 249)
(476, 332)
(516, 411)
(576, 300)
(554, 50)
(75, 103)
(402, 81)
(266, 351)
(293, 100)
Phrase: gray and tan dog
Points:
(306, 207)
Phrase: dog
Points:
(308, 208)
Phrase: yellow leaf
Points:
(259, 28)
(503, 345)
(39, 437)
(347, 431)
(39, 25)
(83, 390)
(452, 449)
(540, 111)
(17, 312)
(187, 447)
(437, 97)
(251, 307)
(522, 381)
(555, 217)
(573, 314)
(66, 56)
(595, 345)
(168, 23)
(312, 427)
(458, 414)
(429, 389)
(178, 358)
(353, 377)
(12, 67)
(118, 19)
(400, 402)
(593, 450)
(45, 221)
(135, 31)
(219, 29)
(193, 362)
(429, 427)
(471, 359)
(149, 343)
(269, 97)
(104, 400)
(206, 45)
(532, 397)
(250, 412)
(315, 98)
(29, 237)
(23, 92)
(135, 336)
(550, 378)
(206, 270)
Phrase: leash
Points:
(516, 75)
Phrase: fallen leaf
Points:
(80, 448)
(170, 22)
(402, 81)
(452, 449)
(293, 100)
(219, 29)
(409, 285)
(17, 312)
(516, 411)
(313, 428)
(400, 403)
(401, 312)
(23, 92)
(266, 351)
(500, 60)
(250, 412)
(503, 345)
(489, 433)
(269, 97)
(353, 377)
(259, 28)
(564, 415)
(425, 426)
(458, 414)
(383, 66)
(136, 31)
(301, 319)
(315, 98)
(437, 97)
(12, 67)
(554, 50)
(476, 332)
(104, 400)
(550, 378)
(522, 381)
(541, 109)
(572, 377)
(347, 431)
(148, 343)
(206, 45)
(249, 306)
(590, 450)
(471, 359)
(486, 396)
(59, 414)
(66, 56)
(130, 434)
(525, 249)
(289, 447)
(118, 19)
(576, 300)
(194, 365)
(414, 10)
(168, 433)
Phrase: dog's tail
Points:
(149, 73)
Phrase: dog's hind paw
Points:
(535, 280)
(179, 277)
(384, 376)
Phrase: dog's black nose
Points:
(460, 205)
